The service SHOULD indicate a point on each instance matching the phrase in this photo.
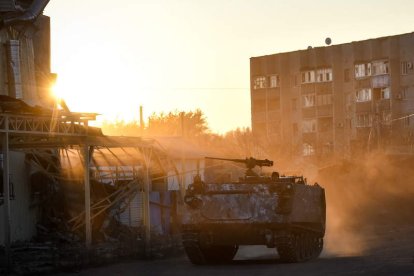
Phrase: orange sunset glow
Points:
(182, 55)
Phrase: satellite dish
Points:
(328, 41)
(309, 47)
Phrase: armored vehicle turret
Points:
(282, 212)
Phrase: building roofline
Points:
(336, 45)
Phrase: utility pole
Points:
(146, 200)
(6, 189)
(88, 228)
(141, 120)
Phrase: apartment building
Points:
(336, 100)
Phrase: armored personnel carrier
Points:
(282, 212)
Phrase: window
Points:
(324, 99)
(385, 93)
(363, 120)
(274, 81)
(308, 76)
(405, 67)
(308, 100)
(309, 126)
(259, 82)
(364, 95)
(362, 70)
(403, 93)
(380, 68)
(308, 149)
(324, 75)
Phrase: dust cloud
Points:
(365, 198)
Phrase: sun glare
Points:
(56, 91)
(105, 86)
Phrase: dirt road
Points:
(389, 250)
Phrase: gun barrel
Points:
(227, 159)
(249, 162)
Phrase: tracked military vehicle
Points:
(282, 212)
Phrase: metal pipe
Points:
(35, 9)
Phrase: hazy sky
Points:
(113, 56)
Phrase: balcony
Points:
(380, 81)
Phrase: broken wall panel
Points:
(24, 216)
(14, 71)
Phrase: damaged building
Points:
(63, 183)
(336, 100)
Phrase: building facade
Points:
(336, 100)
(25, 74)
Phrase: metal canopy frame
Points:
(62, 130)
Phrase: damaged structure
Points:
(64, 183)
(336, 100)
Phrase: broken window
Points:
(308, 76)
(385, 93)
(402, 94)
(364, 120)
(381, 93)
(405, 67)
(274, 81)
(308, 149)
(308, 100)
(324, 75)
(362, 70)
(309, 126)
(380, 67)
(364, 95)
(259, 82)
